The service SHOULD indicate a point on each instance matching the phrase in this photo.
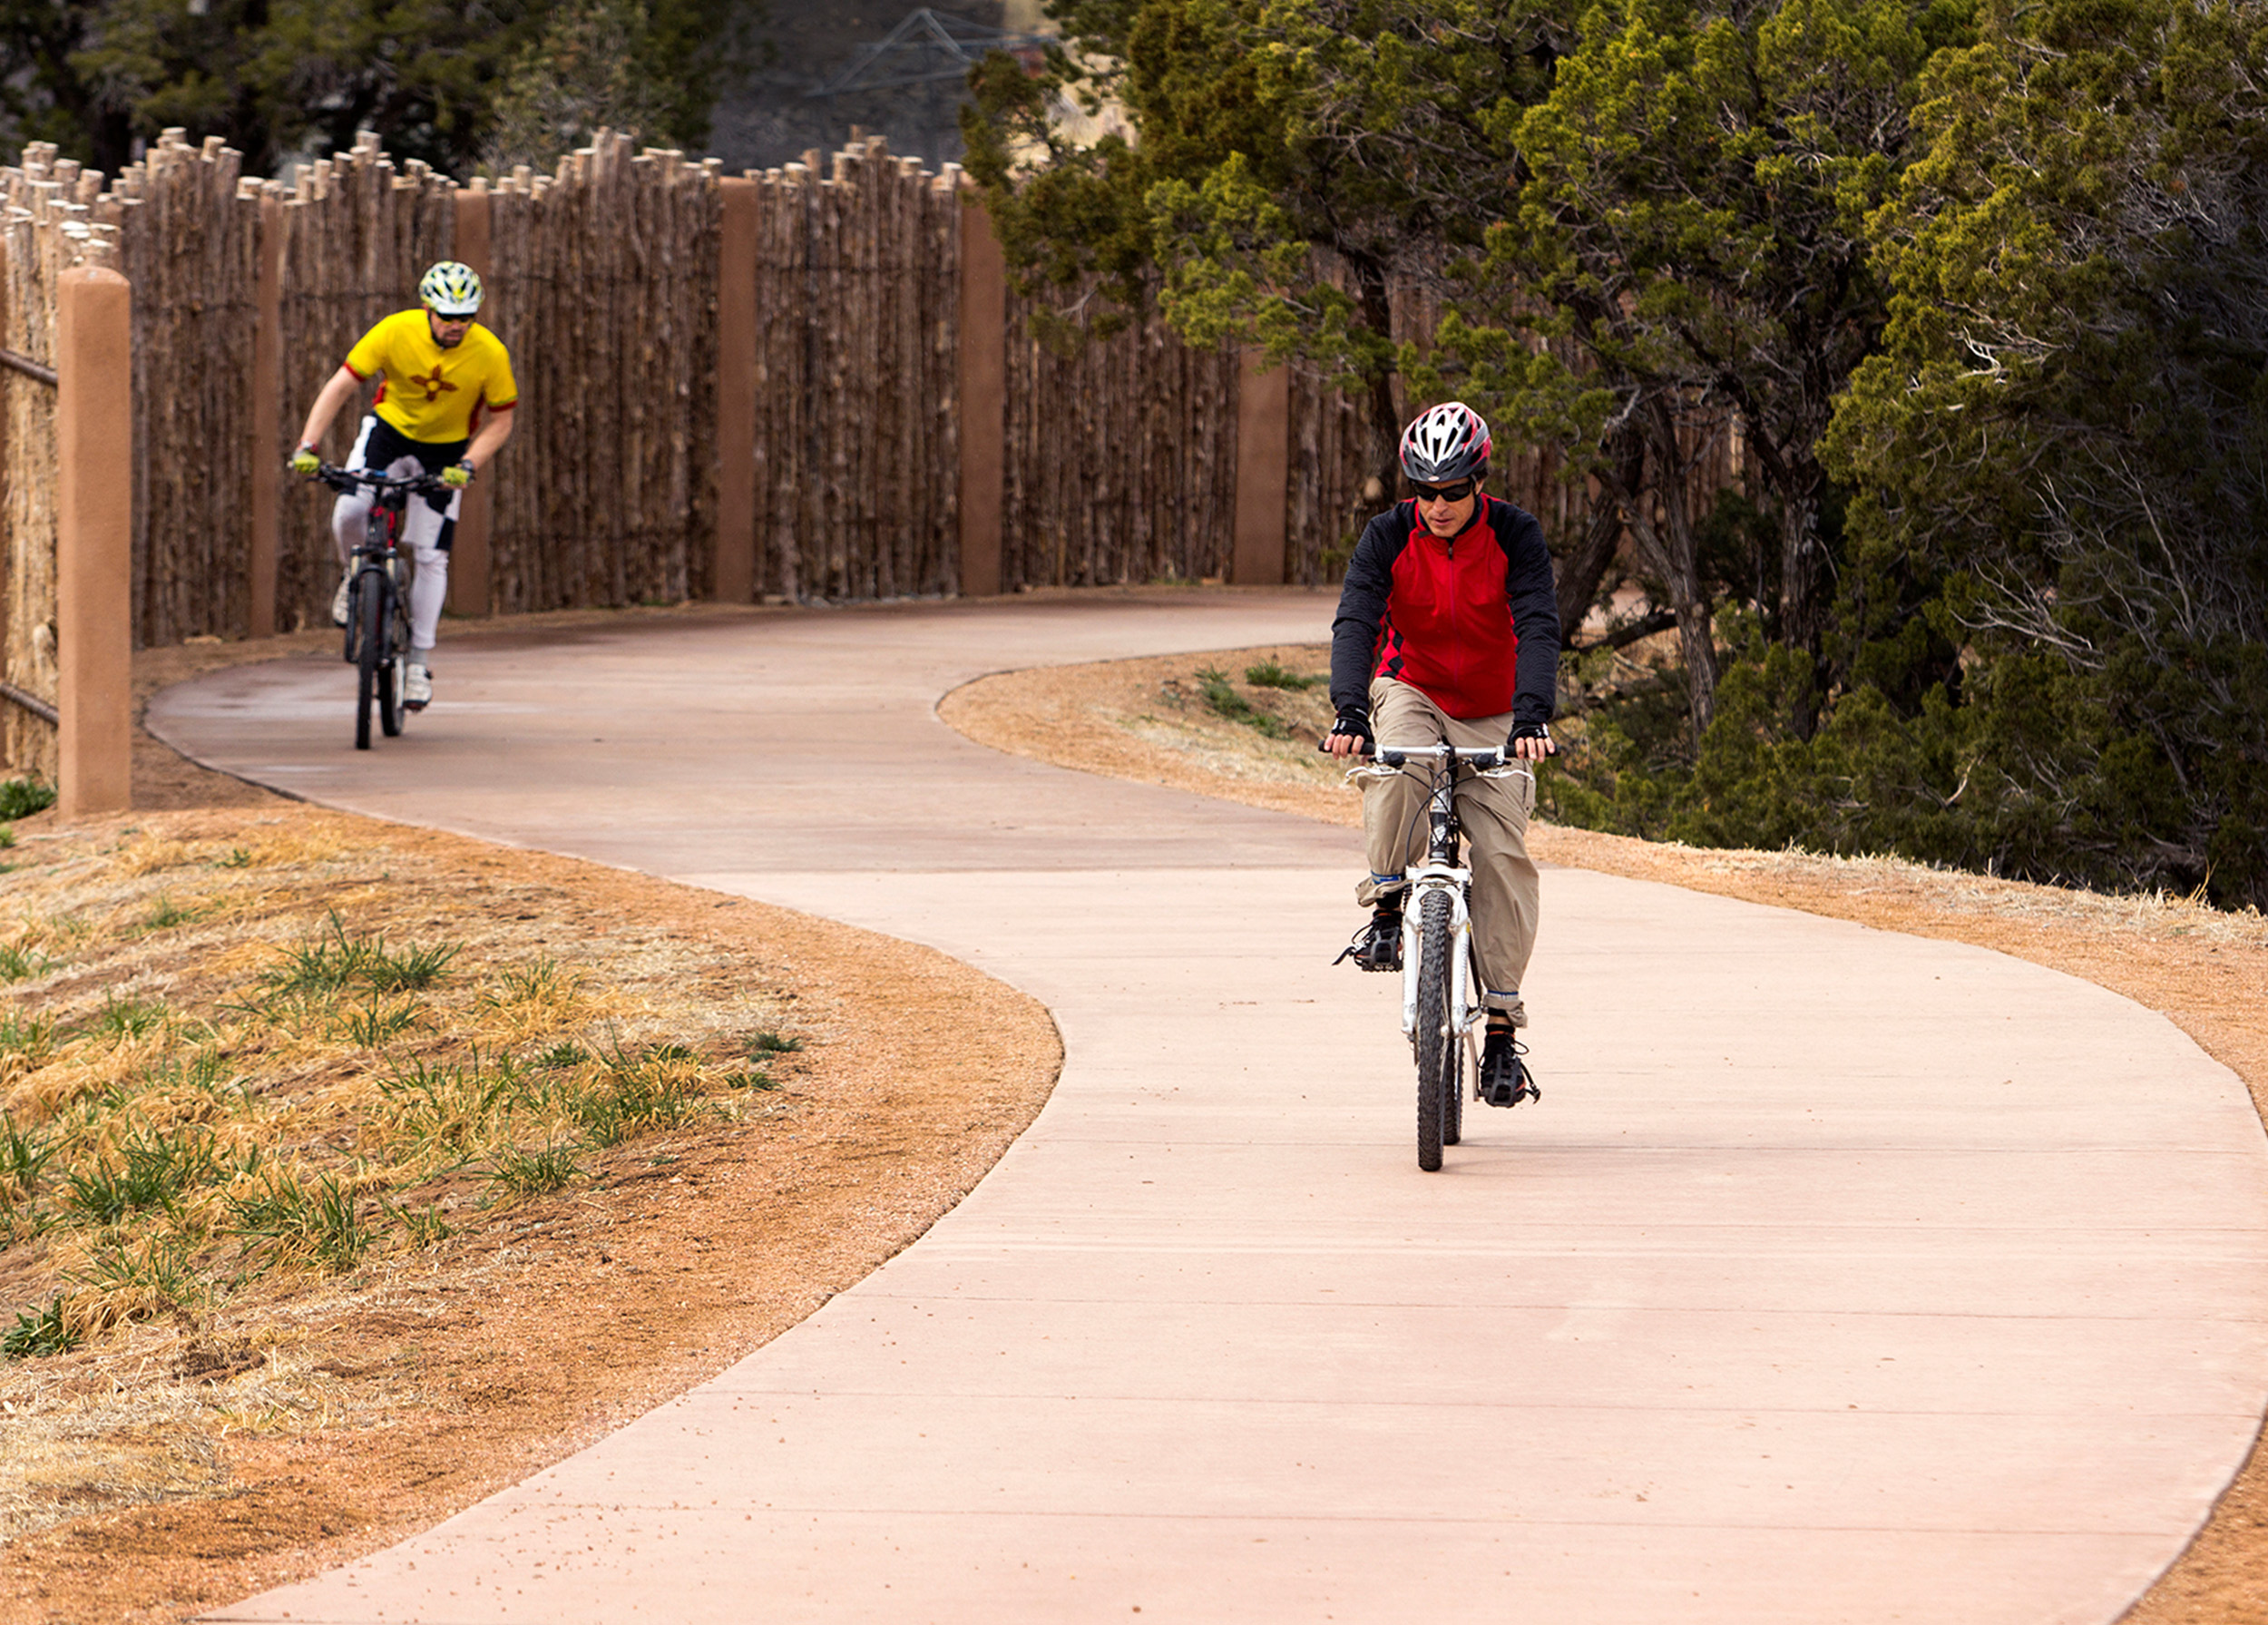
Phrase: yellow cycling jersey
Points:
(431, 394)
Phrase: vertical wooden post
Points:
(734, 574)
(95, 541)
(984, 398)
(468, 552)
(1262, 467)
(267, 405)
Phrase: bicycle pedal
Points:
(1510, 1094)
(1372, 950)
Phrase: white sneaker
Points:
(339, 599)
(417, 686)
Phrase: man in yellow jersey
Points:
(443, 407)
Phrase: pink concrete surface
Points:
(1839, 1276)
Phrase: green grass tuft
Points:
(288, 1218)
(535, 1173)
(23, 1157)
(655, 1087)
(542, 980)
(39, 1332)
(166, 914)
(329, 964)
(1269, 674)
(1225, 701)
(150, 1172)
(30, 1036)
(127, 1018)
(376, 1022)
(18, 964)
(21, 798)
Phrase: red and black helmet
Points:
(1444, 444)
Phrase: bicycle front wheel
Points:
(393, 672)
(1436, 1038)
(370, 657)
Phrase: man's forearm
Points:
(334, 394)
(490, 439)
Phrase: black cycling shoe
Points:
(1377, 946)
(1504, 1079)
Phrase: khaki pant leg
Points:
(1507, 894)
(1493, 812)
(1394, 809)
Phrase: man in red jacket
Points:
(1448, 632)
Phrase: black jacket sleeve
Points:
(1535, 616)
(1362, 607)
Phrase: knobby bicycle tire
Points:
(390, 670)
(371, 654)
(1436, 1037)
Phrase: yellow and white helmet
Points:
(452, 289)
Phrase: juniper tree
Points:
(2065, 441)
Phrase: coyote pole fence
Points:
(265, 460)
(95, 541)
(983, 396)
(733, 576)
(1263, 464)
(468, 556)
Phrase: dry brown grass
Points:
(199, 1011)
(278, 1413)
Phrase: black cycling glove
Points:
(1528, 730)
(1353, 723)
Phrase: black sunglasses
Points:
(1456, 493)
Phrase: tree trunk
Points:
(1581, 572)
(1384, 423)
(1802, 580)
(1669, 550)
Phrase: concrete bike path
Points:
(1840, 1275)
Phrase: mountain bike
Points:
(377, 593)
(1442, 989)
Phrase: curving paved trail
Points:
(1840, 1276)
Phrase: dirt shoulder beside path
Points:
(183, 1461)
(1160, 721)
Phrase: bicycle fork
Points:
(1425, 881)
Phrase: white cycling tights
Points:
(426, 531)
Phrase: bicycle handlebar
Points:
(1480, 761)
(436, 491)
(1386, 764)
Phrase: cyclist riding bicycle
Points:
(439, 372)
(1448, 632)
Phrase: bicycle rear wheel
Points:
(370, 656)
(1464, 1069)
(1438, 1072)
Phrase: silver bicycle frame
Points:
(1464, 998)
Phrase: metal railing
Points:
(27, 367)
(31, 702)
